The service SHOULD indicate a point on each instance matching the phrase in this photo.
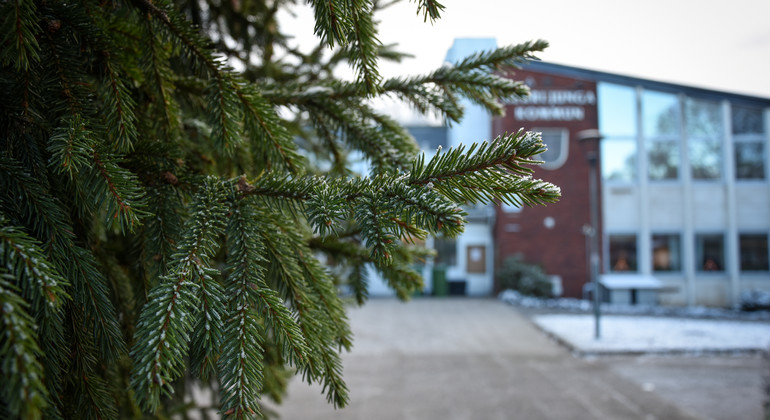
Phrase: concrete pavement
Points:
(455, 359)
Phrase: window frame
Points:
(740, 261)
(694, 140)
(701, 257)
(760, 138)
(679, 253)
(564, 146)
(632, 261)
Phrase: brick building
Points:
(683, 190)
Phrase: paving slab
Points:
(464, 358)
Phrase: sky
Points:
(719, 45)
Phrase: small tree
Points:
(162, 215)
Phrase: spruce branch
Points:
(71, 147)
(91, 295)
(19, 26)
(430, 9)
(206, 339)
(511, 56)
(240, 365)
(263, 122)
(155, 64)
(487, 171)
(167, 320)
(92, 397)
(89, 288)
(40, 282)
(363, 50)
(321, 334)
(120, 192)
(118, 109)
(24, 390)
(162, 232)
(332, 22)
(124, 196)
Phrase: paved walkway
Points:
(453, 359)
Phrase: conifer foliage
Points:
(167, 221)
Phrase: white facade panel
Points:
(620, 205)
(674, 291)
(712, 291)
(753, 206)
(666, 207)
(709, 207)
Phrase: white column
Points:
(732, 251)
(688, 231)
(644, 251)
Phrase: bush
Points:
(528, 279)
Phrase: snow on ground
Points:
(584, 306)
(645, 334)
(648, 329)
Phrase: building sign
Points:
(554, 105)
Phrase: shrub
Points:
(528, 279)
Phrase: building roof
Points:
(598, 76)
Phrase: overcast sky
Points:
(720, 45)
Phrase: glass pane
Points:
(703, 119)
(666, 253)
(622, 253)
(618, 159)
(747, 120)
(705, 158)
(617, 110)
(660, 114)
(754, 252)
(750, 160)
(710, 252)
(446, 251)
(663, 159)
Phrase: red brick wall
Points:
(563, 103)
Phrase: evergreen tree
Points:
(166, 220)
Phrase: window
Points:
(663, 159)
(618, 123)
(617, 110)
(666, 253)
(754, 252)
(704, 138)
(476, 259)
(618, 159)
(557, 142)
(709, 252)
(622, 253)
(661, 128)
(446, 251)
(749, 142)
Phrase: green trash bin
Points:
(440, 285)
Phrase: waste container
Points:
(438, 280)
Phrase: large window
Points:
(704, 138)
(618, 159)
(754, 252)
(623, 253)
(749, 142)
(710, 252)
(666, 253)
(618, 124)
(661, 128)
